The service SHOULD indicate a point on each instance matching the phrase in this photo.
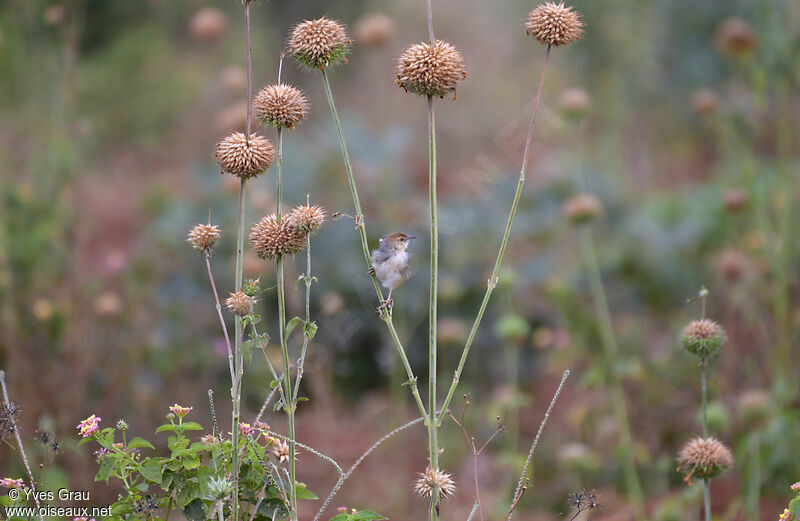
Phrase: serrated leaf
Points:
(309, 330)
(167, 427)
(104, 471)
(368, 515)
(794, 507)
(187, 494)
(195, 510)
(152, 470)
(293, 323)
(138, 443)
(191, 463)
(192, 426)
(302, 492)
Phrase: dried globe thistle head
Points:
(430, 69)
(431, 480)
(281, 451)
(208, 25)
(703, 458)
(319, 43)
(280, 105)
(307, 218)
(374, 29)
(574, 103)
(239, 303)
(582, 208)
(244, 157)
(735, 38)
(704, 101)
(732, 265)
(703, 338)
(270, 238)
(554, 24)
(735, 199)
(203, 237)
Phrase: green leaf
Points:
(368, 515)
(341, 517)
(191, 463)
(192, 426)
(293, 323)
(187, 494)
(309, 330)
(105, 470)
(247, 350)
(167, 427)
(195, 510)
(152, 470)
(302, 492)
(138, 443)
(794, 507)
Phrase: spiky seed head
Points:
(270, 238)
(735, 199)
(374, 29)
(281, 451)
(203, 237)
(582, 209)
(307, 218)
(574, 103)
(244, 157)
(430, 69)
(554, 24)
(755, 407)
(732, 265)
(280, 105)
(239, 303)
(703, 458)
(703, 338)
(735, 38)
(252, 287)
(319, 43)
(431, 480)
(704, 101)
(208, 25)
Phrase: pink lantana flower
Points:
(89, 426)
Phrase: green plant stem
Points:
(359, 217)
(609, 342)
(706, 482)
(218, 306)
(492, 282)
(289, 401)
(301, 361)
(433, 440)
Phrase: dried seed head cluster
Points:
(374, 29)
(430, 69)
(244, 157)
(239, 303)
(208, 25)
(281, 451)
(703, 338)
(582, 208)
(735, 38)
(554, 24)
(280, 105)
(431, 480)
(319, 43)
(8, 418)
(203, 237)
(270, 238)
(307, 218)
(704, 458)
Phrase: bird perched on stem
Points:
(390, 263)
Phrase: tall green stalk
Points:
(609, 342)
(359, 218)
(703, 381)
(492, 282)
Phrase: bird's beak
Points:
(412, 236)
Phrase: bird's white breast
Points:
(390, 272)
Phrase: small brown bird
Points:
(390, 262)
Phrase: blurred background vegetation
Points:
(680, 116)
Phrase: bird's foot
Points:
(386, 304)
(371, 272)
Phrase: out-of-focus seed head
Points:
(704, 102)
(242, 157)
(240, 303)
(208, 25)
(280, 105)
(735, 199)
(703, 458)
(54, 15)
(513, 328)
(319, 43)
(307, 218)
(270, 238)
(733, 265)
(755, 407)
(703, 338)
(374, 29)
(202, 237)
(430, 69)
(582, 209)
(574, 103)
(437, 480)
(735, 38)
(554, 24)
